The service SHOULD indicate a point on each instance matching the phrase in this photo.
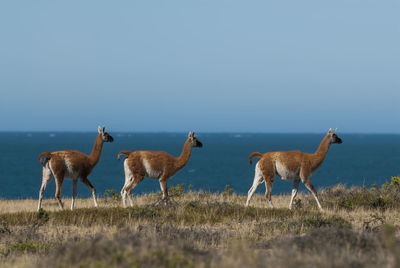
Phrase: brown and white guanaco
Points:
(155, 165)
(294, 166)
(71, 164)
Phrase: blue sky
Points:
(211, 66)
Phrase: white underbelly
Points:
(69, 171)
(150, 172)
(285, 173)
(71, 175)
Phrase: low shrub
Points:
(385, 197)
(23, 248)
(228, 191)
(177, 191)
(111, 194)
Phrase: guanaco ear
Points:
(334, 131)
(190, 135)
(99, 129)
(193, 134)
(330, 130)
(104, 129)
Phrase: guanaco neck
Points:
(321, 152)
(183, 159)
(94, 156)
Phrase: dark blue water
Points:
(360, 160)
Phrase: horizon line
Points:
(202, 132)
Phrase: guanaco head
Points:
(104, 135)
(334, 137)
(194, 141)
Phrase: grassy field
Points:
(359, 228)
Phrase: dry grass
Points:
(199, 229)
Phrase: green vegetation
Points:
(227, 191)
(112, 195)
(187, 213)
(23, 248)
(359, 227)
(385, 197)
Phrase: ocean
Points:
(362, 160)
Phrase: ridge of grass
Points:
(200, 229)
(180, 213)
